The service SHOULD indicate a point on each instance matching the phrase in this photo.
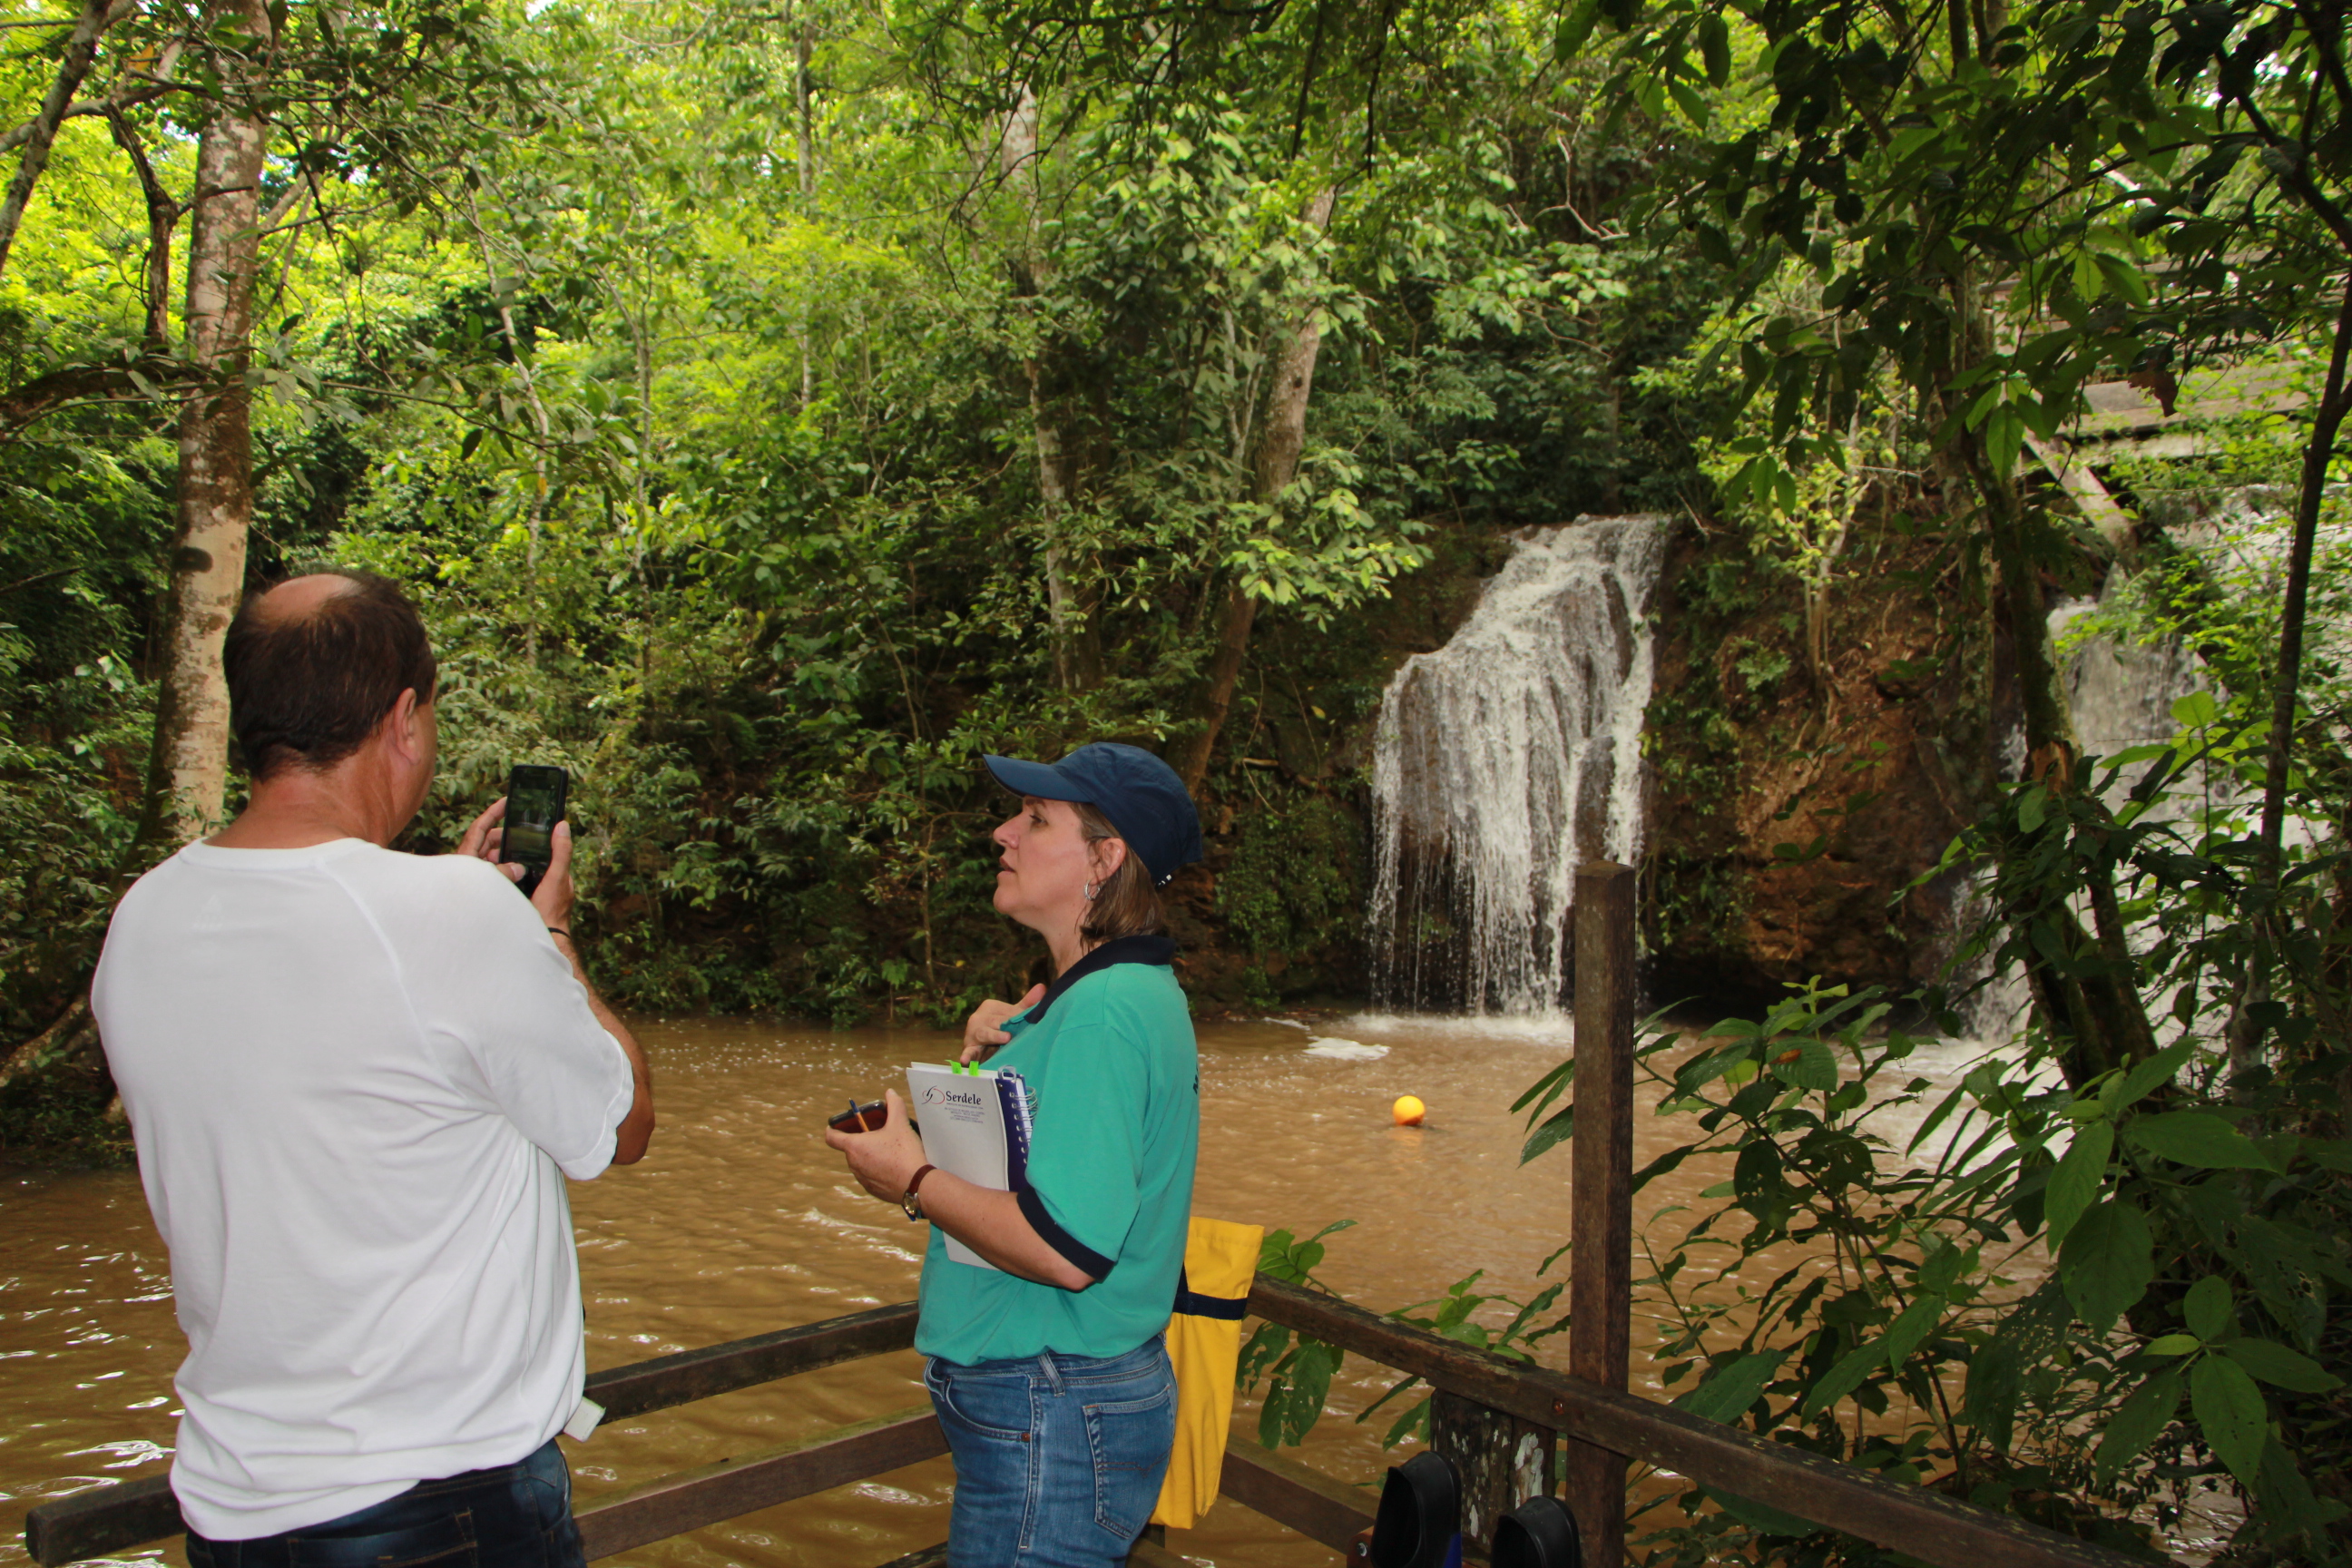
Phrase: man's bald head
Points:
(314, 663)
(297, 597)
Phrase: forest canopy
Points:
(773, 409)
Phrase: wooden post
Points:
(1601, 1275)
(1501, 1459)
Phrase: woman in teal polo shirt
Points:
(1049, 1371)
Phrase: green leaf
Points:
(1575, 28)
(2032, 807)
(2231, 1412)
(2075, 1184)
(2139, 1420)
(1759, 1516)
(1994, 1378)
(1910, 1330)
(2207, 1307)
(2287, 1496)
(2281, 1367)
(1803, 1064)
(2144, 1076)
(2197, 1138)
(2172, 1344)
(1728, 1392)
(2107, 1263)
(1557, 1128)
(1846, 1377)
(2196, 710)
(1714, 47)
(1663, 1165)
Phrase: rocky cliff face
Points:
(1794, 811)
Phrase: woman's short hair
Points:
(1127, 904)
(305, 689)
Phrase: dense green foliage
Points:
(775, 413)
(707, 427)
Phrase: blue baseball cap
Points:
(1139, 794)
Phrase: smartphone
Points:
(868, 1118)
(534, 805)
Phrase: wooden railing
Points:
(1506, 1425)
(1486, 1406)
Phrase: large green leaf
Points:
(1557, 1127)
(1575, 28)
(2139, 1419)
(2231, 1412)
(1803, 1064)
(1731, 1390)
(2207, 1307)
(1760, 1516)
(2142, 1078)
(2281, 1367)
(2107, 1263)
(1910, 1330)
(2075, 1184)
(2197, 1138)
(1846, 1376)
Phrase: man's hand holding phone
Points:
(552, 897)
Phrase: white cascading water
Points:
(1504, 760)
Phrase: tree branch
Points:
(80, 51)
(134, 380)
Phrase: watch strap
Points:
(912, 1202)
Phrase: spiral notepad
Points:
(977, 1123)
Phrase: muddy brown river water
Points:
(741, 1221)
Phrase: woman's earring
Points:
(1090, 890)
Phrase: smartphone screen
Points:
(534, 805)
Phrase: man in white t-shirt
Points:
(357, 1080)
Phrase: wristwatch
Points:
(912, 1200)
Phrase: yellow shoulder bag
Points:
(1204, 1342)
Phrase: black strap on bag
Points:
(1232, 1309)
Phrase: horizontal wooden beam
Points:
(690, 1500)
(102, 1521)
(1298, 1495)
(1918, 1523)
(2072, 468)
(671, 1380)
(106, 1519)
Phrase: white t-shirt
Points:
(352, 1075)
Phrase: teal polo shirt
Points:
(1109, 1058)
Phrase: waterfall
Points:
(1506, 759)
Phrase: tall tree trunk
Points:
(1078, 652)
(2244, 1036)
(807, 119)
(81, 50)
(187, 773)
(1282, 437)
(162, 217)
(2097, 1009)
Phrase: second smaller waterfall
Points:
(1506, 759)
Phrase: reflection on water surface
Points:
(741, 1221)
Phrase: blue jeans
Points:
(1058, 1460)
(508, 1516)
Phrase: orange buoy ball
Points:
(1409, 1110)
